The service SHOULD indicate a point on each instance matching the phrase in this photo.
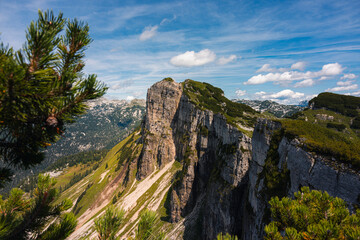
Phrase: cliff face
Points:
(214, 154)
(299, 168)
(161, 106)
(227, 178)
(200, 165)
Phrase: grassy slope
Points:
(312, 127)
(116, 155)
(206, 96)
(111, 160)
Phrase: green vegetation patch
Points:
(319, 139)
(275, 180)
(346, 105)
(355, 123)
(312, 215)
(337, 126)
(208, 97)
(81, 157)
(168, 79)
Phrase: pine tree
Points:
(42, 87)
(147, 226)
(226, 236)
(108, 224)
(23, 217)
(312, 215)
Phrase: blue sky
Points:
(286, 51)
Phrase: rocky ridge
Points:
(204, 169)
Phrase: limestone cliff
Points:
(296, 168)
(209, 165)
(227, 177)
(215, 157)
(161, 106)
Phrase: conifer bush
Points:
(42, 87)
(312, 215)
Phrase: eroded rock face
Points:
(161, 105)
(215, 157)
(222, 186)
(305, 169)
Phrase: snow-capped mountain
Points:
(279, 110)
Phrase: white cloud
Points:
(348, 76)
(260, 93)
(299, 66)
(191, 58)
(240, 93)
(342, 88)
(130, 98)
(305, 83)
(149, 32)
(166, 20)
(286, 96)
(224, 60)
(287, 93)
(355, 93)
(344, 83)
(328, 70)
(331, 69)
(266, 68)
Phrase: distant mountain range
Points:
(278, 110)
(105, 124)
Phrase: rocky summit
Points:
(208, 165)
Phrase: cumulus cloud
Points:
(305, 83)
(298, 66)
(240, 93)
(149, 32)
(331, 69)
(191, 58)
(328, 70)
(342, 88)
(348, 76)
(286, 96)
(224, 60)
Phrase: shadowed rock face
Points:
(215, 157)
(305, 169)
(221, 185)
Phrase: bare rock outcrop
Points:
(161, 105)
(302, 169)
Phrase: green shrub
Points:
(337, 126)
(206, 96)
(356, 123)
(324, 141)
(312, 215)
(109, 223)
(226, 236)
(346, 105)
